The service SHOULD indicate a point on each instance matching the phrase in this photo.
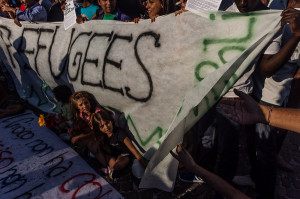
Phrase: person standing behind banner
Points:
(56, 12)
(111, 12)
(87, 11)
(157, 8)
(34, 12)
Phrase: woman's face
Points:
(155, 8)
(106, 127)
(84, 105)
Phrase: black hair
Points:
(62, 93)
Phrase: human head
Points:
(62, 93)
(159, 7)
(79, 96)
(108, 6)
(265, 2)
(247, 5)
(62, 4)
(103, 122)
(28, 3)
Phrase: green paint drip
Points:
(212, 17)
(157, 131)
(207, 102)
(204, 63)
(229, 48)
(179, 111)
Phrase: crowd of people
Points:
(86, 10)
(266, 93)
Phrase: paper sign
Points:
(69, 15)
(203, 4)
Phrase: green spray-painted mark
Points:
(179, 111)
(247, 37)
(229, 15)
(204, 63)
(216, 96)
(229, 48)
(228, 85)
(207, 102)
(195, 111)
(157, 131)
(158, 142)
(212, 17)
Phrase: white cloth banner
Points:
(35, 163)
(164, 76)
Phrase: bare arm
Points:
(284, 118)
(135, 152)
(216, 182)
(248, 111)
(270, 64)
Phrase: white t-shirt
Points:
(276, 89)
(245, 82)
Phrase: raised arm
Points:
(270, 64)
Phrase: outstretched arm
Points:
(248, 111)
(269, 64)
(135, 152)
(216, 182)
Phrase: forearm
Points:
(284, 118)
(135, 152)
(270, 66)
(218, 184)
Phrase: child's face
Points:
(154, 8)
(106, 127)
(84, 105)
(108, 6)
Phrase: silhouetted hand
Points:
(244, 111)
(184, 157)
